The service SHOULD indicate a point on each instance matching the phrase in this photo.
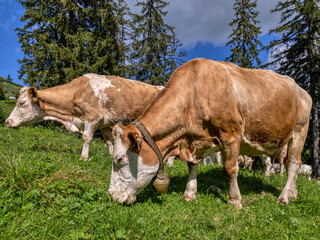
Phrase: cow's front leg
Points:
(107, 137)
(191, 189)
(87, 135)
(231, 147)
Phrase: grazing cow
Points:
(84, 105)
(212, 106)
(245, 161)
(267, 162)
(273, 168)
(304, 169)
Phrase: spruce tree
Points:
(300, 59)
(151, 41)
(124, 22)
(175, 56)
(244, 41)
(8, 79)
(62, 40)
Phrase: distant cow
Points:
(208, 105)
(304, 169)
(245, 161)
(84, 105)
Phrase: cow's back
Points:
(121, 99)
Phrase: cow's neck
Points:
(56, 103)
(166, 122)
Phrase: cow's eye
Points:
(21, 103)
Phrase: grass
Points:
(10, 88)
(7, 106)
(47, 192)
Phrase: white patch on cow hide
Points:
(119, 89)
(25, 112)
(110, 116)
(70, 126)
(119, 149)
(129, 174)
(99, 84)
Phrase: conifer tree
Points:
(8, 79)
(244, 41)
(151, 41)
(175, 56)
(124, 22)
(62, 40)
(300, 34)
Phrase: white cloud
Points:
(207, 20)
(276, 51)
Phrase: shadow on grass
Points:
(214, 182)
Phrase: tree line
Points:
(62, 40)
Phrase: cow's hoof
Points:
(189, 196)
(294, 193)
(283, 199)
(235, 203)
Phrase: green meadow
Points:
(47, 192)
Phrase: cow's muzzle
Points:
(9, 123)
(121, 197)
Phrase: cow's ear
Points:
(135, 141)
(32, 94)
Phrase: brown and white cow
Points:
(208, 105)
(84, 105)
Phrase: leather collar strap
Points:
(149, 140)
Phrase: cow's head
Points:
(27, 111)
(134, 164)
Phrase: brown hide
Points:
(84, 105)
(206, 100)
(74, 99)
(210, 106)
(126, 99)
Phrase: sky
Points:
(200, 25)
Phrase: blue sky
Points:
(201, 26)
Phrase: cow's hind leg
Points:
(87, 136)
(231, 147)
(191, 189)
(293, 163)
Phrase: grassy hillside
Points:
(47, 192)
(10, 88)
(6, 106)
